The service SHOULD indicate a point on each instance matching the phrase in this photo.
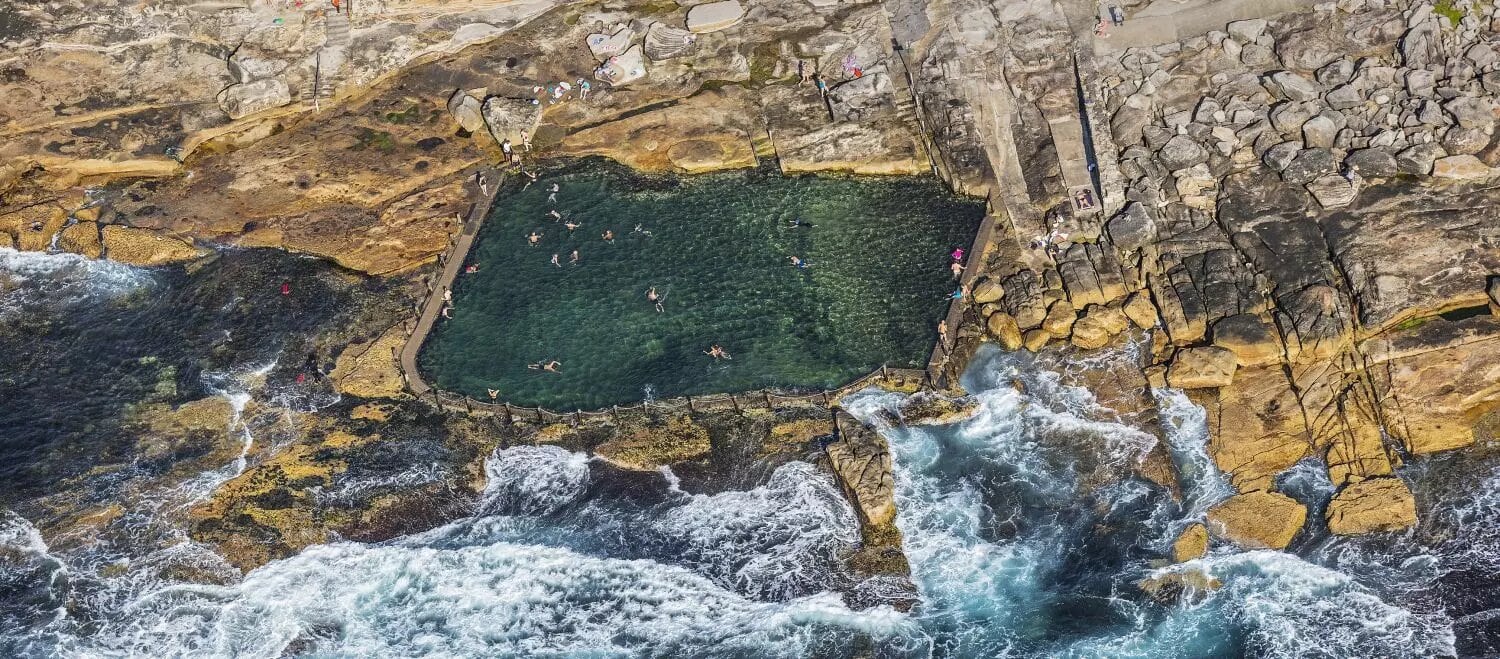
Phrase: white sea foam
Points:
(534, 480)
(772, 542)
(28, 279)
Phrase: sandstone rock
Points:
(606, 45)
(510, 118)
(467, 111)
(664, 42)
(1003, 327)
(1494, 293)
(697, 156)
(81, 238)
(929, 408)
(370, 370)
(1132, 228)
(1257, 56)
(649, 449)
(1192, 543)
(1418, 159)
(1372, 505)
(1257, 429)
(1309, 164)
(862, 462)
(988, 290)
(1253, 342)
(1036, 339)
(1091, 333)
(145, 247)
(1332, 191)
(1258, 520)
(1292, 87)
(1182, 152)
(1374, 162)
(626, 67)
(1200, 368)
(714, 16)
(1308, 50)
(1060, 318)
(1139, 309)
(1464, 167)
(1336, 73)
(249, 98)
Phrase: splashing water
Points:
(30, 280)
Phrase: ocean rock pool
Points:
(717, 248)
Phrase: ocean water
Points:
(1018, 546)
(717, 249)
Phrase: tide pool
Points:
(718, 251)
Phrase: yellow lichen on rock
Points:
(146, 247)
(370, 370)
(647, 448)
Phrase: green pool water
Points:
(718, 250)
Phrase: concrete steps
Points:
(323, 84)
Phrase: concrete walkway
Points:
(1165, 21)
(433, 307)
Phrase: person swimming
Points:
(571, 226)
(801, 263)
(554, 215)
(556, 261)
(642, 231)
(656, 299)
(717, 352)
(494, 393)
(797, 223)
(553, 366)
(609, 236)
(472, 268)
(535, 238)
(574, 257)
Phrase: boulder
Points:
(1201, 368)
(714, 16)
(1060, 318)
(1258, 520)
(1473, 112)
(1292, 87)
(1288, 117)
(1494, 294)
(1370, 506)
(604, 46)
(1132, 228)
(625, 68)
(1005, 330)
(1191, 544)
(249, 98)
(862, 461)
(467, 111)
(1464, 167)
(1278, 157)
(1309, 50)
(1139, 309)
(1036, 339)
(1318, 132)
(1419, 158)
(1253, 342)
(664, 42)
(1336, 73)
(1182, 152)
(929, 408)
(1246, 31)
(988, 290)
(1344, 97)
(1373, 162)
(509, 118)
(1332, 191)
(1460, 141)
(1309, 164)
(1090, 333)
(146, 247)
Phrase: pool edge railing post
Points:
(510, 420)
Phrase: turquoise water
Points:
(717, 248)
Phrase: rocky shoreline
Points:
(1294, 214)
